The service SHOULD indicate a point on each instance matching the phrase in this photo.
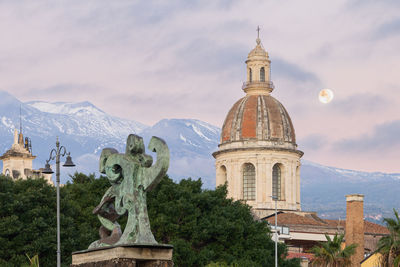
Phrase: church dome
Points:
(258, 117)
(257, 158)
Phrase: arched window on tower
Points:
(250, 75)
(276, 182)
(249, 182)
(262, 74)
(221, 175)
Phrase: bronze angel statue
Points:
(131, 175)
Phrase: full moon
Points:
(325, 96)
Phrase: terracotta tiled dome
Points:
(258, 117)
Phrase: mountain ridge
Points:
(85, 130)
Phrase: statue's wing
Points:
(153, 175)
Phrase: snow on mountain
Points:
(352, 175)
(191, 143)
(66, 108)
(81, 127)
(87, 119)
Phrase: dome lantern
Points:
(258, 71)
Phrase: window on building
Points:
(249, 182)
(262, 74)
(250, 75)
(276, 182)
(285, 230)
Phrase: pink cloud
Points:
(152, 60)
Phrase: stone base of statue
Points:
(137, 255)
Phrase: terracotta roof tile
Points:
(258, 117)
(291, 218)
(370, 227)
(226, 128)
(249, 122)
(309, 219)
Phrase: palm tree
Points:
(389, 246)
(331, 254)
(33, 262)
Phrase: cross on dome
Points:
(258, 35)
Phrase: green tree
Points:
(79, 227)
(28, 218)
(389, 246)
(204, 226)
(27, 221)
(331, 254)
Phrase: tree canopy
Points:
(27, 221)
(204, 226)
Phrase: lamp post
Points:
(275, 198)
(55, 154)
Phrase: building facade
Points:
(17, 161)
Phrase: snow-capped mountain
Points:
(84, 119)
(85, 130)
(81, 127)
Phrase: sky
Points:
(149, 60)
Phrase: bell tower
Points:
(17, 161)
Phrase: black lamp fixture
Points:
(47, 169)
(68, 161)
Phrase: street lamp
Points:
(275, 198)
(55, 154)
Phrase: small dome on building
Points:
(258, 117)
(258, 51)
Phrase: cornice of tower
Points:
(257, 149)
(258, 88)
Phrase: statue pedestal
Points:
(139, 255)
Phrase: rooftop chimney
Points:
(355, 226)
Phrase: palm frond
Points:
(330, 253)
